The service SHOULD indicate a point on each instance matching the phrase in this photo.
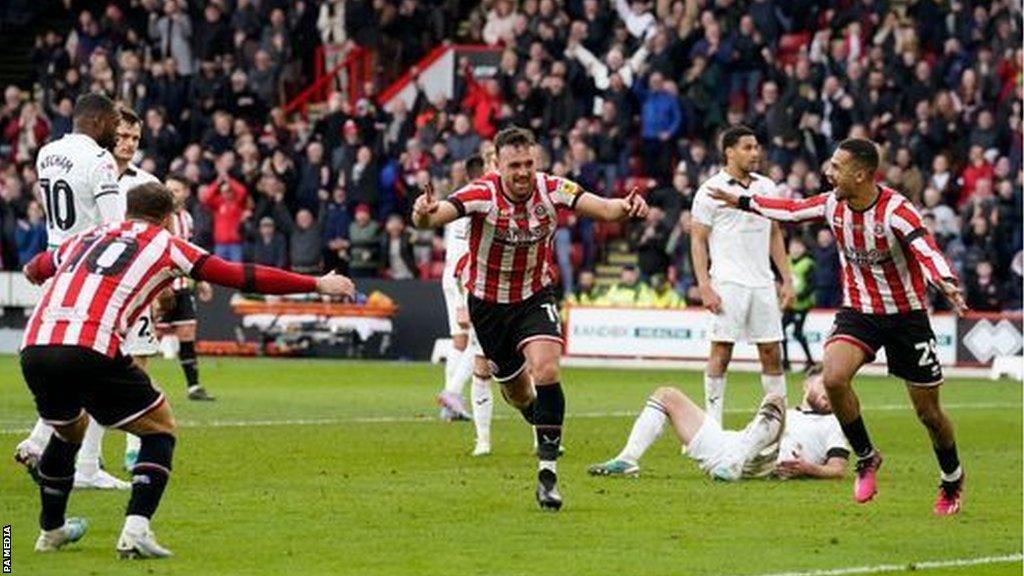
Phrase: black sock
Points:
(949, 461)
(528, 412)
(187, 358)
(150, 474)
(548, 413)
(56, 479)
(857, 434)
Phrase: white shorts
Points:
(454, 298)
(712, 447)
(748, 315)
(140, 339)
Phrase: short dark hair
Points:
(93, 105)
(129, 116)
(178, 177)
(864, 152)
(731, 136)
(513, 136)
(475, 166)
(151, 201)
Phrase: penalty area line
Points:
(906, 567)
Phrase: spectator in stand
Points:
(226, 198)
(270, 248)
(172, 35)
(26, 134)
(978, 168)
(364, 244)
(984, 294)
(396, 249)
(678, 249)
(629, 291)
(304, 244)
(31, 233)
(463, 143)
(362, 179)
(160, 141)
(662, 294)
(336, 222)
(827, 291)
(660, 120)
(500, 26)
(650, 240)
(585, 292)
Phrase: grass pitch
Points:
(323, 467)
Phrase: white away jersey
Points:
(132, 177)
(812, 437)
(78, 185)
(739, 241)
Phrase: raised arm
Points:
(429, 213)
(922, 246)
(781, 210)
(611, 209)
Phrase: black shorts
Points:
(907, 338)
(503, 329)
(68, 379)
(183, 312)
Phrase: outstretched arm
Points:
(268, 280)
(778, 209)
(611, 209)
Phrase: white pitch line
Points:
(414, 419)
(907, 567)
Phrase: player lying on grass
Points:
(513, 214)
(101, 280)
(805, 441)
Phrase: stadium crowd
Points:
(621, 94)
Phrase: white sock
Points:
(646, 429)
(92, 445)
(136, 524)
(483, 408)
(714, 396)
(132, 443)
(547, 465)
(463, 372)
(40, 435)
(450, 363)
(774, 384)
(954, 476)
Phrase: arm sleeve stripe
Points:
(576, 198)
(918, 233)
(249, 278)
(460, 207)
(838, 453)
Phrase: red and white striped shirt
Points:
(181, 226)
(510, 248)
(886, 251)
(105, 278)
